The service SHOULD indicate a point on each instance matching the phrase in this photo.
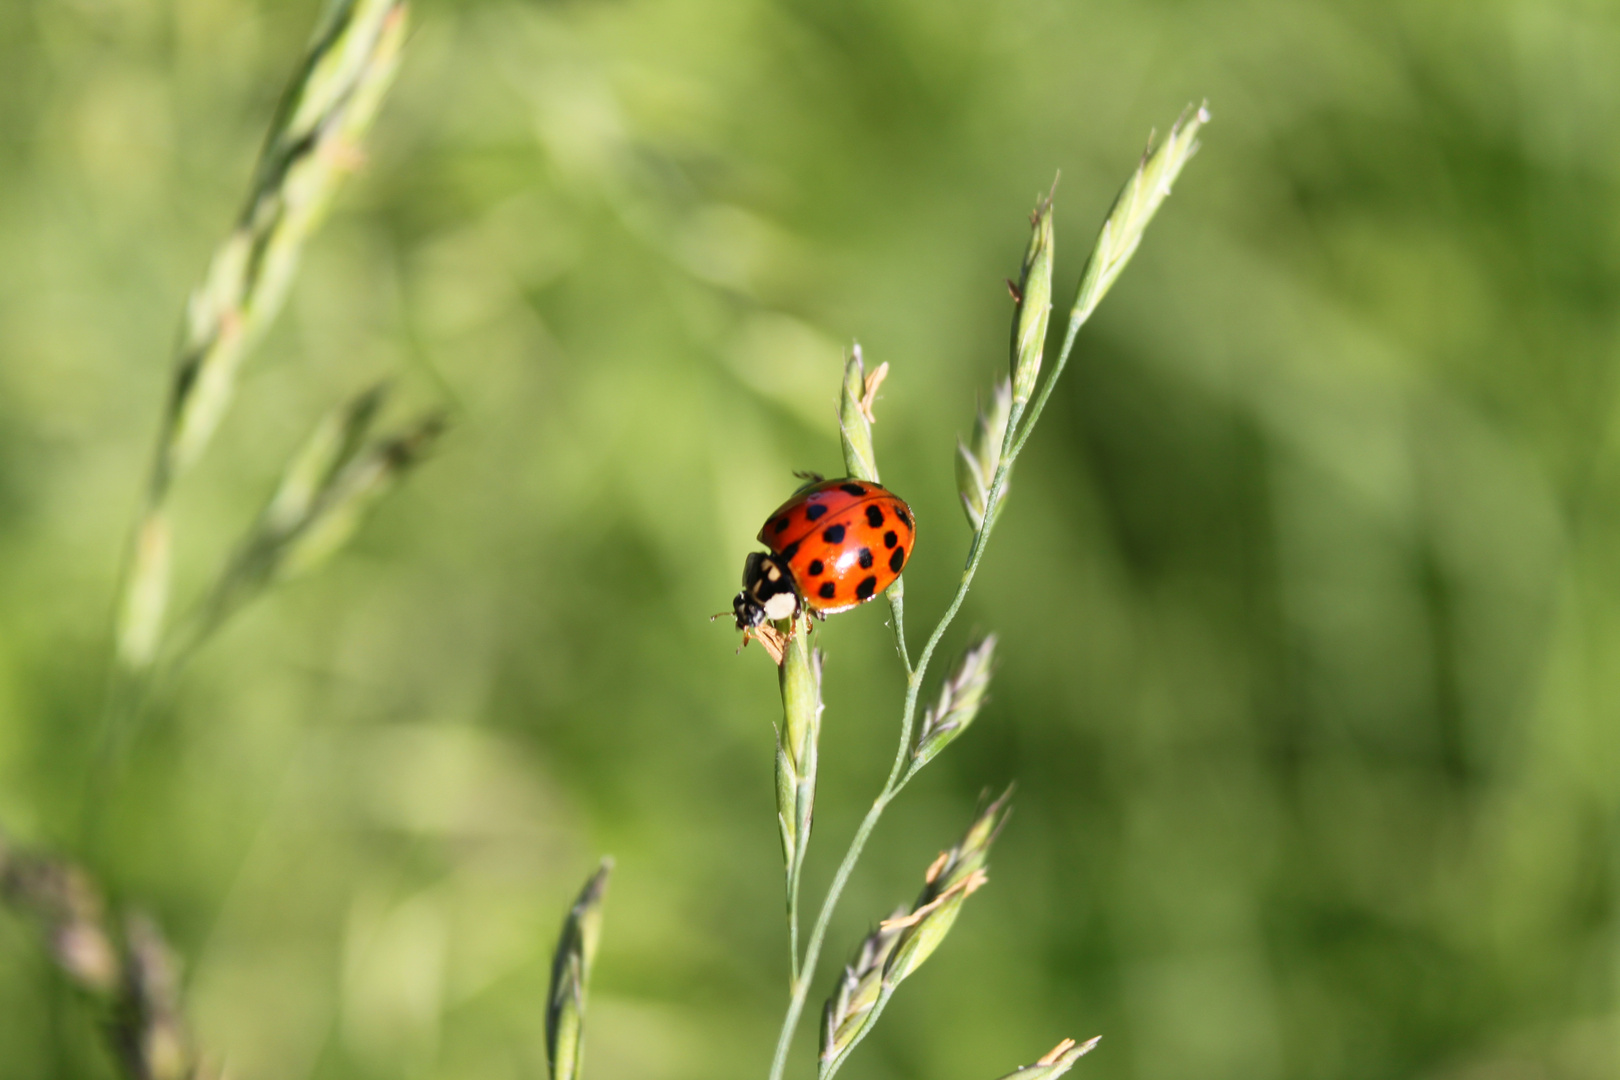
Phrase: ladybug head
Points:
(767, 592)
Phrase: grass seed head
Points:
(155, 1031)
(135, 979)
(1057, 1061)
(570, 976)
(332, 445)
(855, 415)
(960, 699)
(323, 495)
(1033, 297)
(960, 875)
(858, 988)
(978, 459)
(329, 105)
(146, 597)
(1135, 206)
(797, 742)
(353, 490)
(71, 913)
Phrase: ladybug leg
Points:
(811, 479)
(794, 625)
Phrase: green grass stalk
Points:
(1121, 233)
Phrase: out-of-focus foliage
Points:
(1306, 594)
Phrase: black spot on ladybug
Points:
(827, 590)
(898, 559)
(866, 588)
(833, 534)
(874, 517)
(815, 568)
(781, 524)
(790, 551)
(815, 511)
(890, 539)
(904, 518)
(852, 489)
(866, 558)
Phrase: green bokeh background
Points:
(1309, 587)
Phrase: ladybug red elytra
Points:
(835, 544)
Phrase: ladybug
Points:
(835, 544)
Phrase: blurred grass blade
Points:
(855, 416)
(1134, 207)
(858, 988)
(977, 459)
(1057, 1061)
(1033, 297)
(949, 881)
(960, 699)
(570, 977)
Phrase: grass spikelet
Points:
(952, 878)
(323, 496)
(1135, 206)
(1057, 1061)
(153, 1027)
(960, 699)
(858, 988)
(146, 597)
(570, 977)
(71, 913)
(855, 415)
(1033, 296)
(948, 882)
(978, 459)
(796, 753)
(352, 492)
(135, 980)
(312, 144)
(331, 446)
(1117, 241)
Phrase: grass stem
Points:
(899, 774)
